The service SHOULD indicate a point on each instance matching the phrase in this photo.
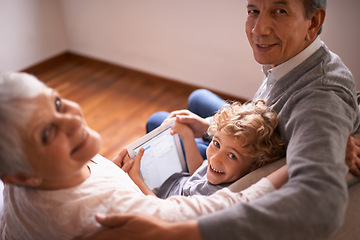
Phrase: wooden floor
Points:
(116, 101)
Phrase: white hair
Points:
(15, 112)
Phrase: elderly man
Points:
(313, 93)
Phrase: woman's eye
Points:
(58, 104)
(45, 136)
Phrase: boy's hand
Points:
(197, 124)
(183, 130)
(134, 171)
(123, 161)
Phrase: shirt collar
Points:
(281, 70)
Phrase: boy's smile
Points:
(227, 160)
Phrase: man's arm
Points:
(315, 158)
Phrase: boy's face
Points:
(227, 161)
(58, 142)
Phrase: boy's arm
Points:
(134, 172)
(193, 157)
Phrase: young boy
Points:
(244, 138)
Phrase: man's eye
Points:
(280, 11)
(58, 104)
(252, 12)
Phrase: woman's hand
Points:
(197, 124)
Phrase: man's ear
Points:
(22, 179)
(316, 22)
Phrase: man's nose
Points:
(262, 25)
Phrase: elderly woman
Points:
(55, 182)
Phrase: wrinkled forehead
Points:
(277, 2)
(31, 107)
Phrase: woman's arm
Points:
(279, 177)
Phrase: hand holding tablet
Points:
(163, 155)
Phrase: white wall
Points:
(342, 33)
(200, 42)
(30, 31)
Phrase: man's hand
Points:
(137, 227)
(352, 158)
(197, 124)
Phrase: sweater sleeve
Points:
(315, 158)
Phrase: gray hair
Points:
(15, 112)
(311, 6)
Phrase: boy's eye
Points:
(232, 156)
(216, 143)
(58, 104)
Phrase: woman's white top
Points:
(67, 213)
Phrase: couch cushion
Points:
(264, 171)
(256, 175)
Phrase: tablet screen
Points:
(160, 159)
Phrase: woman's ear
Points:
(316, 23)
(22, 180)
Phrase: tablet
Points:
(163, 155)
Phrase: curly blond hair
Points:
(254, 125)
